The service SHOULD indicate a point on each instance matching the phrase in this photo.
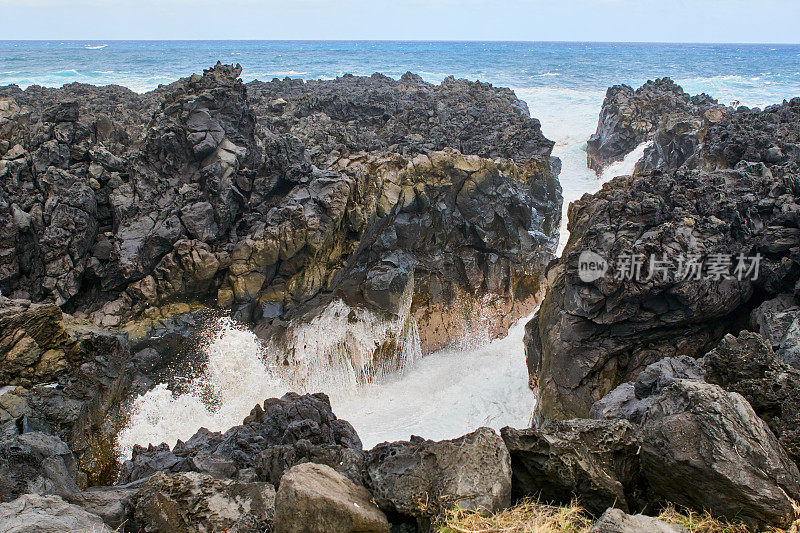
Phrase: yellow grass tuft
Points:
(528, 516)
(697, 522)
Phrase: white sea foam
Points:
(235, 379)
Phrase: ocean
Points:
(563, 85)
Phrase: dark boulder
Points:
(747, 365)
(423, 479)
(705, 448)
(594, 461)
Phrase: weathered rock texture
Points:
(302, 423)
(315, 498)
(705, 448)
(594, 460)
(748, 366)
(735, 194)
(275, 199)
(423, 479)
(64, 377)
(32, 513)
(191, 502)
(629, 118)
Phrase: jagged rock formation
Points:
(628, 118)
(589, 337)
(276, 199)
(305, 422)
(703, 446)
(733, 196)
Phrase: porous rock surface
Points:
(274, 199)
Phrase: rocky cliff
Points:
(391, 200)
(657, 108)
(732, 195)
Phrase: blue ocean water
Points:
(563, 83)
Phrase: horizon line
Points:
(407, 41)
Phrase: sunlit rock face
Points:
(428, 210)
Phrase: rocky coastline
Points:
(419, 211)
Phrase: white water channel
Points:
(443, 395)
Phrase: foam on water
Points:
(234, 380)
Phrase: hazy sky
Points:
(528, 20)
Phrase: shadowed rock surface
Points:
(597, 461)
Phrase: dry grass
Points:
(700, 522)
(530, 516)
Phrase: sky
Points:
(739, 21)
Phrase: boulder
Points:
(315, 498)
(747, 365)
(423, 479)
(594, 461)
(191, 502)
(705, 448)
(31, 513)
(617, 521)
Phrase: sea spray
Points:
(234, 380)
(345, 346)
(331, 354)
